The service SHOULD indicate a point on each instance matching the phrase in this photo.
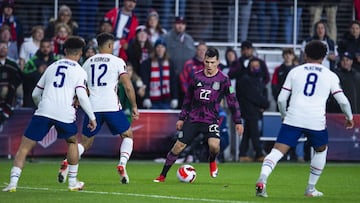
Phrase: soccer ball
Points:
(186, 173)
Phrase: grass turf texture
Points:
(235, 183)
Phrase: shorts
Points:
(115, 120)
(39, 127)
(191, 130)
(289, 135)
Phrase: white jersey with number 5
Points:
(310, 85)
(103, 72)
(59, 82)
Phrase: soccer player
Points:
(200, 112)
(309, 86)
(53, 95)
(104, 73)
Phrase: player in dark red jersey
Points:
(200, 112)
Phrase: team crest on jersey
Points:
(199, 84)
(216, 85)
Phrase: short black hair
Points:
(212, 52)
(46, 39)
(103, 37)
(315, 50)
(74, 44)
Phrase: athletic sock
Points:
(15, 175)
(269, 164)
(125, 150)
(73, 171)
(170, 160)
(316, 167)
(81, 149)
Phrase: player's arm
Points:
(282, 101)
(38, 90)
(130, 93)
(86, 106)
(345, 108)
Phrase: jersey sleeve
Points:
(232, 102)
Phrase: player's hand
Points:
(92, 125)
(239, 129)
(349, 124)
(179, 125)
(135, 113)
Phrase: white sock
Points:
(316, 167)
(73, 171)
(125, 150)
(81, 149)
(15, 175)
(269, 164)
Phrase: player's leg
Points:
(36, 131)
(87, 139)
(73, 164)
(214, 149)
(170, 159)
(126, 149)
(18, 164)
(213, 134)
(287, 137)
(318, 140)
(185, 137)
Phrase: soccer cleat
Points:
(63, 171)
(77, 186)
(159, 179)
(10, 188)
(313, 193)
(213, 169)
(261, 190)
(124, 178)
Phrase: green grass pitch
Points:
(236, 183)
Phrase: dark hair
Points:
(212, 52)
(315, 50)
(46, 39)
(74, 44)
(102, 38)
(229, 49)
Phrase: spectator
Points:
(63, 31)
(239, 68)
(320, 33)
(139, 88)
(124, 23)
(30, 46)
(316, 9)
(268, 20)
(12, 48)
(34, 69)
(350, 83)
(88, 52)
(140, 49)
(230, 57)
(253, 102)
(350, 42)
(159, 76)
(191, 67)
(153, 27)
(167, 11)
(8, 18)
(277, 82)
(65, 17)
(180, 45)
(10, 79)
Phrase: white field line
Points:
(141, 195)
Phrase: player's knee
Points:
(71, 140)
(321, 148)
(178, 147)
(127, 133)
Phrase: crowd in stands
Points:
(163, 56)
